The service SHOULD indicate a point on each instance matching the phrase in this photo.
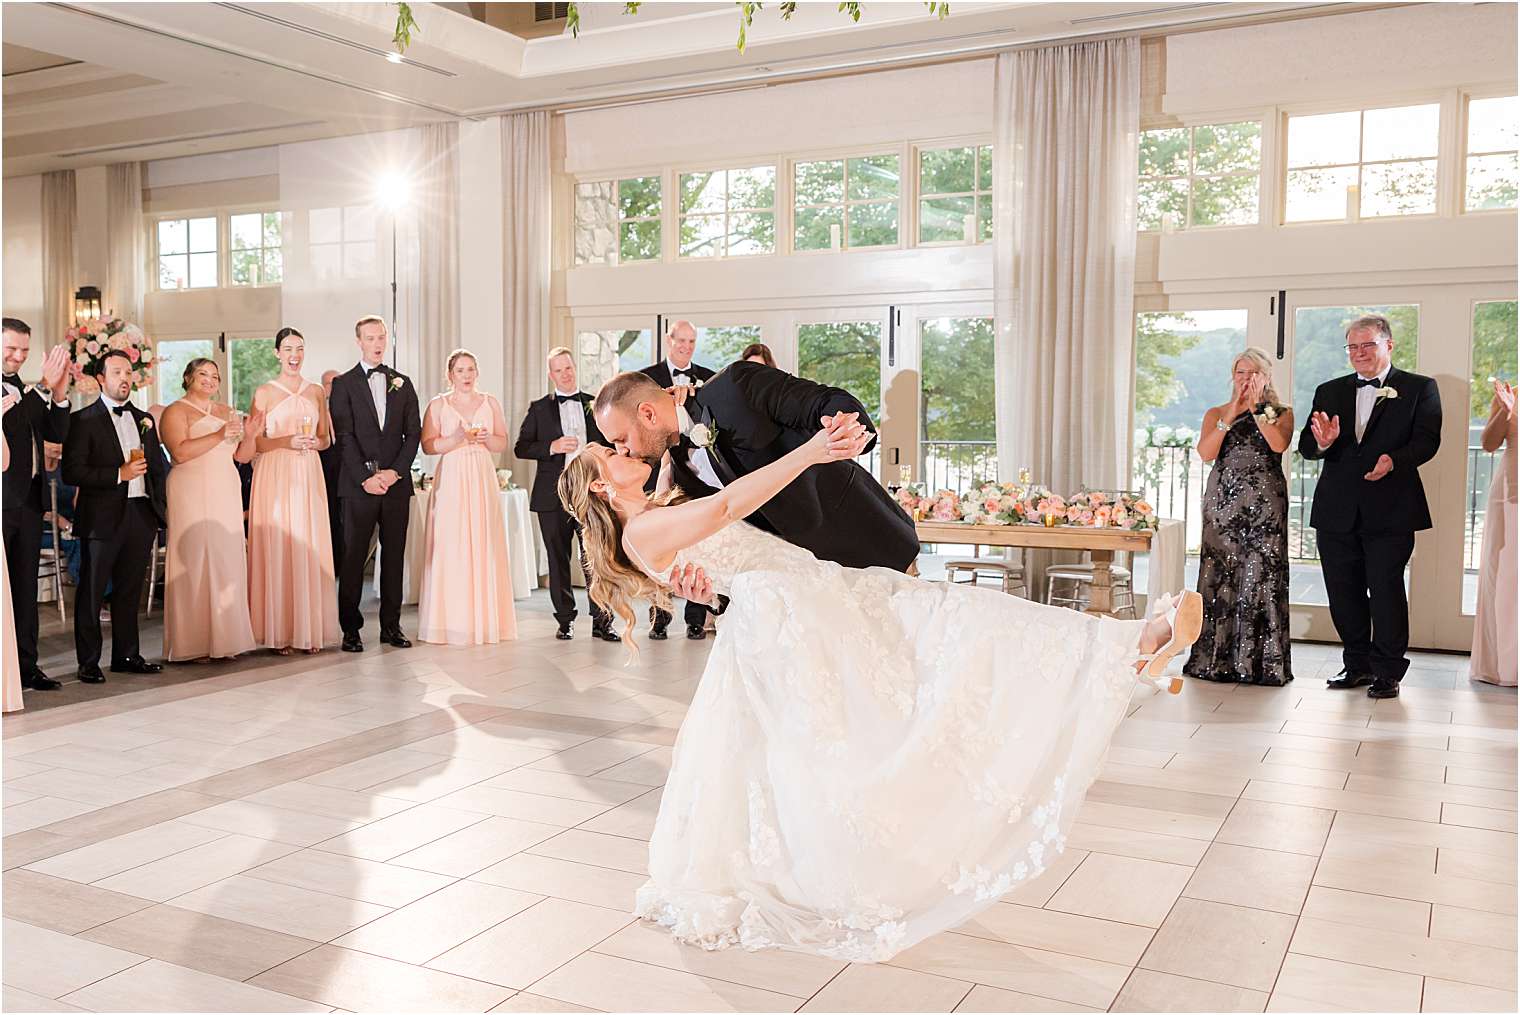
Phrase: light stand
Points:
(391, 191)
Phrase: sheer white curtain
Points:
(1066, 124)
(437, 255)
(58, 213)
(526, 265)
(126, 241)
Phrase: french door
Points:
(244, 360)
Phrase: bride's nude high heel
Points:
(1185, 615)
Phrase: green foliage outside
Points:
(845, 355)
(958, 401)
(638, 206)
(253, 363)
(1493, 353)
(718, 347)
(1218, 165)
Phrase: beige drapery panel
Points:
(126, 242)
(526, 265)
(438, 255)
(58, 211)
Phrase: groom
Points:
(1373, 428)
(375, 419)
(746, 417)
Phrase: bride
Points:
(869, 758)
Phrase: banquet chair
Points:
(52, 561)
(1000, 569)
(1068, 585)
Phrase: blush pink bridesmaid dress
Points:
(1494, 648)
(10, 666)
(206, 561)
(292, 591)
(466, 582)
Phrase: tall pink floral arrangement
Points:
(90, 340)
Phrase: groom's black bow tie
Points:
(1368, 382)
(562, 399)
(118, 409)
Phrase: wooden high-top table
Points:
(1099, 544)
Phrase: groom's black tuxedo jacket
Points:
(540, 428)
(92, 460)
(29, 422)
(1406, 428)
(836, 510)
(363, 443)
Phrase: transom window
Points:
(342, 242)
(618, 221)
(187, 253)
(1493, 136)
(256, 239)
(846, 203)
(1199, 176)
(1387, 155)
(728, 212)
(955, 194)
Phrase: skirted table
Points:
(525, 552)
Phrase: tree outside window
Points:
(858, 195)
(1493, 166)
(954, 187)
(728, 212)
(187, 253)
(1200, 176)
(1388, 154)
(256, 256)
(618, 221)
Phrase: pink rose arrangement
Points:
(92, 339)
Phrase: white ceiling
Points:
(94, 83)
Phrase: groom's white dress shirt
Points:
(1366, 399)
(700, 463)
(128, 437)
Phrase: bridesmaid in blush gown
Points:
(10, 666)
(1494, 649)
(466, 584)
(292, 592)
(206, 563)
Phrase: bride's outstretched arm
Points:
(657, 535)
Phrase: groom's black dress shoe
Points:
(604, 632)
(353, 643)
(39, 681)
(136, 664)
(696, 632)
(395, 639)
(1383, 689)
(91, 675)
(1347, 680)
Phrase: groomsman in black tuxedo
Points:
(332, 467)
(1373, 429)
(32, 415)
(113, 455)
(375, 418)
(678, 369)
(555, 430)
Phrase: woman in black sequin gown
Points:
(1243, 572)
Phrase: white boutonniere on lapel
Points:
(1386, 392)
(697, 383)
(703, 436)
(397, 381)
(145, 424)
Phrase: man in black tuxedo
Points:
(675, 369)
(113, 455)
(555, 429)
(31, 417)
(1373, 428)
(375, 418)
(746, 417)
(332, 467)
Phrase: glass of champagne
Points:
(308, 426)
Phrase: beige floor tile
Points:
(1362, 910)
(1206, 805)
(649, 769)
(198, 941)
(1122, 889)
(16, 999)
(1220, 943)
(401, 833)
(634, 820)
(781, 971)
(565, 879)
(596, 849)
(195, 867)
(1445, 792)
(437, 781)
(1037, 892)
(62, 905)
(351, 877)
(1409, 953)
(1465, 863)
(278, 824)
(592, 757)
(281, 908)
(1280, 826)
(1199, 778)
(328, 801)
(609, 983)
(1459, 776)
(518, 951)
(431, 926)
(1056, 931)
(35, 961)
(1150, 991)
(1371, 852)
(993, 999)
(520, 735)
(1452, 996)
(156, 986)
(376, 768)
(472, 849)
(40, 811)
(1345, 800)
(1253, 878)
(508, 803)
(1136, 844)
(123, 852)
(1375, 879)
(1144, 819)
(1011, 967)
(87, 787)
(870, 988)
(1426, 833)
(526, 1002)
(1307, 983)
(588, 789)
(96, 760)
(1477, 817)
(361, 982)
(1451, 923)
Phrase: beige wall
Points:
(22, 265)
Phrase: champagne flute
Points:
(308, 426)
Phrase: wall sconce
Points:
(86, 304)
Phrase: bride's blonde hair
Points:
(616, 581)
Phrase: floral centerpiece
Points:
(89, 341)
(993, 504)
(1099, 510)
(503, 479)
(1012, 504)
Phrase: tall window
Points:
(251, 362)
(1200, 176)
(1493, 169)
(958, 415)
(853, 200)
(845, 354)
(1389, 155)
(256, 241)
(187, 253)
(728, 212)
(171, 356)
(1493, 356)
(719, 346)
(955, 195)
(342, 242)
(601, 354)
(618, 221)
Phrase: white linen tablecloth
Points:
(1168, 563)
(525, 552)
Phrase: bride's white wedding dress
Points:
(872, 758)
